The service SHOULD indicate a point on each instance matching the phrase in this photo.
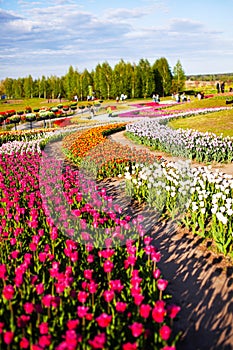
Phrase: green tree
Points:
(179, 78)
(162, 76)
(122, 79)
(71, 83)
(43, 87)
(8, 87)
(97, 80)
(106, 80)
(85, 81)
(18, 88)
(144, 82)
(28, 87)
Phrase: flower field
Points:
(199, 146)
(75, 273)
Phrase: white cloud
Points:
(63, 34)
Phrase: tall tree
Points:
(144, 83)
(122, 79)
(178, 82)
(85, 81)
(106, 80)
(28, 87)
(97, 80)
(162, 76)
(70, 83)
(18, 90)
(8, 86)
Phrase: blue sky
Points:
(47, 37)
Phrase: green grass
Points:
(216, 101)
(19, 105)
(217, 122)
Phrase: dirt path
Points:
(200, 281)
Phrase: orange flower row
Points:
(81, 142)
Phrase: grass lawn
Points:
(217, 122)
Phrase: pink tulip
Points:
(88, 274)
(43, 327)
(72, 324)
(173, 310)
(121, 306)
(8, 337)
(156, 273)
(28, 307)
(40, 288)
(145, 310)
(98, 341)
(162, 284)
(82, 297)
(3, 271)
(108, 266)
(138, 299)
(159, 312)
(8, 292)
(45, 340)
(92, 287)
(165, 332)
(136, 329)
(82, 311)
(104, 320)
(108, 295)
(116, 285)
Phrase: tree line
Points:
(140, 80)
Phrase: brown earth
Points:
(200, 280)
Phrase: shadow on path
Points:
(200, 281)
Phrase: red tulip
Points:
(24, 343)
(129, 346)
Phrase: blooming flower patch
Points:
(59, 289)
(198, 197)
(203, 147)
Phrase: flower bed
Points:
(202, 147)
(59, 287)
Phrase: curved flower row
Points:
(81, 142)
(203, 147)
(197, 197)
(74, 272)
